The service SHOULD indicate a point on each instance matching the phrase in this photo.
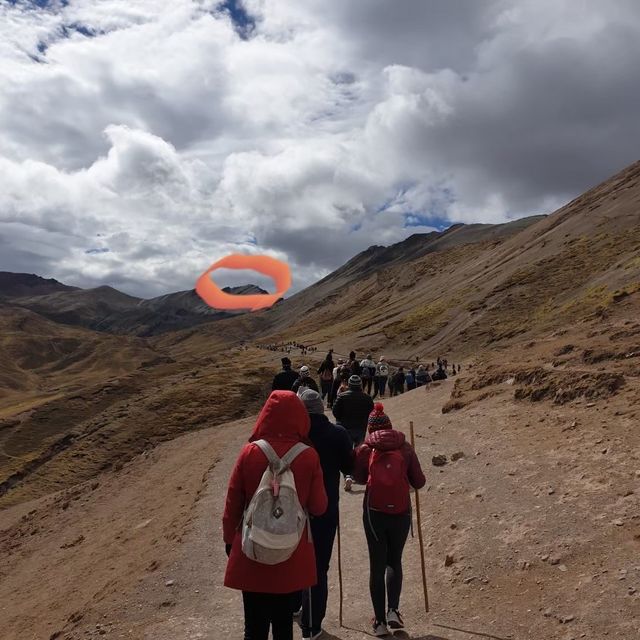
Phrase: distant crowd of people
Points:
(281, 514)
(288, 347)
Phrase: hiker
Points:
(368, 368)
(352, 409)
(398, 381)
(440, 374)
(389, 467)
(410, 379)
(380, 380)
(304, 380)
(334, 447)
(283, 380)
(268, 589)
(453, 370)
(326, 375)
(422, 376)
(335, 383)
(354, 365)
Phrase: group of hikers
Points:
(289, 347)
(281, 513)
(376, 377)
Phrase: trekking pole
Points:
(340, 571)
(424, 571)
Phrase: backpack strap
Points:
(293, 453)
(274, 460)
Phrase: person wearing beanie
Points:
(389, 467)
(336, 456)
(422, 376)
(352, 409)
(283, 381)
(304, 380)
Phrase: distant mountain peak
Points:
(245, 289)
(15, 285)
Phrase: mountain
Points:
(15, 285)
(108, 310)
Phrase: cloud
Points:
(140, 142)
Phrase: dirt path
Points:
(540, 517)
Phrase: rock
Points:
(453, 525)
(439, 460)
(562, 567)
(545, 557)
(523, 565)
(458, 455)
(631, 590)
(590, 404)
(65, 505)
(469, 579)
(618, 522)
(449, 560)
(551, 491)
(94, 485)
(169, 583)
(548, 613)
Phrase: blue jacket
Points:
(335, 449)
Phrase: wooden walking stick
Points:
(424, 571)
(340, 571)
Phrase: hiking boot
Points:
(380, 629)
(394, 619)
(313, 635)
(348, 481)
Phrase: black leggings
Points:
(386, 536)
(265, 610)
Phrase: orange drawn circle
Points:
(277, 270)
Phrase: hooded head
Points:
(283, 417)
(286, 363)
(304, 371)
(352, 355)
(312, 401)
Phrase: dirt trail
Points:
(542, 525)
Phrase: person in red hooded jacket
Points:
(268, 590)
(389, 466)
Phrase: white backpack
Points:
(274, 520)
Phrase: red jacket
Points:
(283, 421)
(386, 440)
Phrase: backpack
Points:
(388, 486)
(384, 370)
(274, 520)
(326, 375)
(366, 372)
(410, 378)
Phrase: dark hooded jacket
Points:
(284, 380)
(333, 445)
(352, 409)
(307, 381)
(387, 440)
(283, 422)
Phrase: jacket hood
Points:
(385, 439)
(283, 417)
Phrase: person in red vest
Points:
(268, 591)
(389, 467)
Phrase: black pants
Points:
(324, 534)
(366, 385)
(265, 610)
(386, 536)
(379, 385)
(326, 386)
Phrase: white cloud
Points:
(141, 141)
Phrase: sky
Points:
(142, 140)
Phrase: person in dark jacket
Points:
(410, 379)
(334, 447)
(398, 381)
(326, 376)
(283, 381)
(386, 532)
(440, 374)
(422, 376)
(304, 380)
(351, 409)
(353, 364)
(268, 590)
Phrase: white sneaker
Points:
(380, 629)
(348, 481)
(394, 619)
